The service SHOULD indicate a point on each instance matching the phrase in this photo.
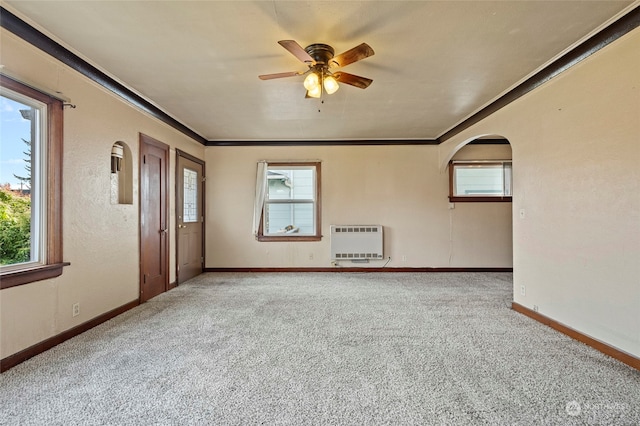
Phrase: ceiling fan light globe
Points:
(312, 82)
(315, 92)
(331, 85)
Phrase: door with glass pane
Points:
(189, 216)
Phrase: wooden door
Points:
(189, 216)
(154, 236)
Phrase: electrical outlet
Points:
(523, 290)
(310, 256)
(76, 309)
(535, 308)
(404, 257)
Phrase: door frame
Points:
(145, 140)
(180, 153)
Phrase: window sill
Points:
(26, 276)
(272, 238)
(479, 199)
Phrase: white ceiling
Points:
(436, 62)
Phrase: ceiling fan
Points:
(321, 60)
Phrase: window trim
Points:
(475, 198)
(52, 264)
(318, 207)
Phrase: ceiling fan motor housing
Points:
(321, 53)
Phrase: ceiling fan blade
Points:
(353, 80)
(352, 55)
(296, 50)
(279, 75)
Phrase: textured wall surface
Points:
(399, 187)
(100, 238)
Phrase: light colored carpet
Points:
(361, 349)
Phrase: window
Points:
(290, 209)
(31, 202)
(190, 196)
(479, 181)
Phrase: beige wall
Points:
(100, 238)
(399, 187)
(576, 156)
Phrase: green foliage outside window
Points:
(15, 227)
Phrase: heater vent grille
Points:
(356, 242)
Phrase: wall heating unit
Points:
(356, 242)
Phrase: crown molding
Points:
(20, 28)
(326, 142)
(606, 36)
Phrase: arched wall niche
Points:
(121, 170)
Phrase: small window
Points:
(291, 209)
(480, 181)
(30, 197)
(190, 196)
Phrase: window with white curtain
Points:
(288, 202)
